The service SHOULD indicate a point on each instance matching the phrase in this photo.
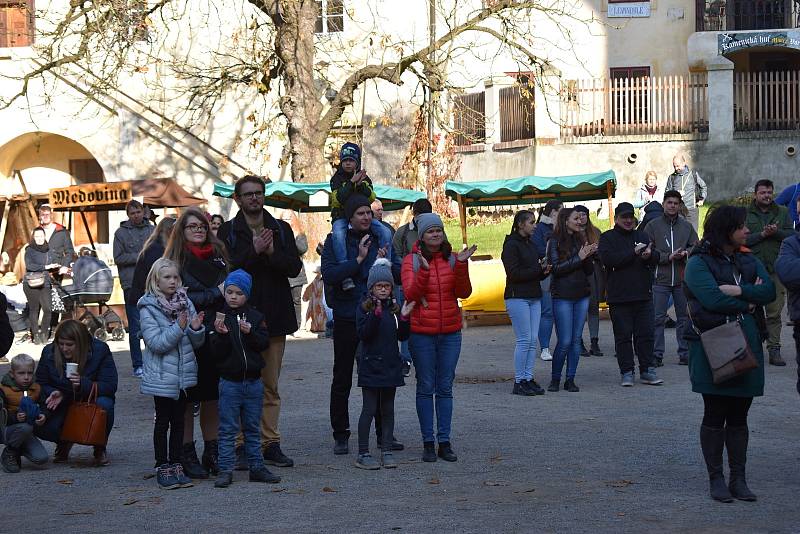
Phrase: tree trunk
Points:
(301, 101)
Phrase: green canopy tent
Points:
(298, 196)
(531, 189)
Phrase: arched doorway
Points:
(32, 164)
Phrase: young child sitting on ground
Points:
(238, 339)
(21, 407)
(380, 324)
(348, 179)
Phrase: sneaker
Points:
(387, 460)
(165, 476)
(775, 357)
(650, 377)
(137, 372)
(520, 388)
(224, 479)
(347, 284)
(446, 452)
(554, 386)
(10, 460)
(429, 451)
(406, 367)
(183, 480)
(569, 385)
(366, 461)
(659, 361)
(341, 447)
(545, 355)
(627, 379)
(241, 459)
(535, 388)
(264, 475)
(273, 455)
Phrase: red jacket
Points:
(440, 286)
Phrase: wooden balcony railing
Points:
(765, 101)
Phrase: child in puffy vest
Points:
(350, 179)
(380, 324)
(22, 409)
(171, 330)
(239, 337)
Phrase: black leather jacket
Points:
(570, 275)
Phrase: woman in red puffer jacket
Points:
(435, 278)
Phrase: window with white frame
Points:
(330, 16)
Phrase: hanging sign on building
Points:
(628, 10)
(728, 43)
(90, 195)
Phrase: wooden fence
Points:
(635, 106)
(766, 100)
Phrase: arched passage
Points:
(42, 161)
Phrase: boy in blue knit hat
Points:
(238, 339)
(350, 179)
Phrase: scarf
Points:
(175, 304)
(546, 219)
(39, 248)
(651, 190)
(202, 252)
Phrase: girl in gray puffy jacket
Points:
(171, 330)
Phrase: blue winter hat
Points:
(241, 279)
(350, 151)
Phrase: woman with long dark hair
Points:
(153, 249)
(541, 235)
(724, 283)
(523, 297)
(203, 262)
(36, 285)
(571, 259)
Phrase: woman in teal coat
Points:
(725, 283)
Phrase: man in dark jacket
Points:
(787, 267)
(769, 225)
(265, 248)
(362, 250)
(628, 254)
(673, 237)
(129, 241)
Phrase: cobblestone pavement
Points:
(604, 459)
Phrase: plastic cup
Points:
(72, 369)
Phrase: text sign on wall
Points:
(733, 42)
(628, 10)
(82, 196)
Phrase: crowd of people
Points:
(214, 300)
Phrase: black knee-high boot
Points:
(736, 438)
(712, 441)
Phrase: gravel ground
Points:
(604, 459)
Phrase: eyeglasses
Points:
(197, 228)
(251, 194)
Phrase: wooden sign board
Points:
(90, 196)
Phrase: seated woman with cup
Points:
(69, 367)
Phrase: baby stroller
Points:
(92, 283)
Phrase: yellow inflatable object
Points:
(488, 280)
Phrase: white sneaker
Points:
(545, 355)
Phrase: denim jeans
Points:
(662, 298)
(546, 322)
(525, 315)
(404, 354)
(339, 238)
(569, 317)
(240, 401)
(435, 359)
(134, 330)
(51, 429)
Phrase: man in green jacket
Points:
(769, 225)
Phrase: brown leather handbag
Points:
(727, 351)
(85, 423)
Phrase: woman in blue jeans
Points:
(435, 278)
(570, 257)
(523, 297)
